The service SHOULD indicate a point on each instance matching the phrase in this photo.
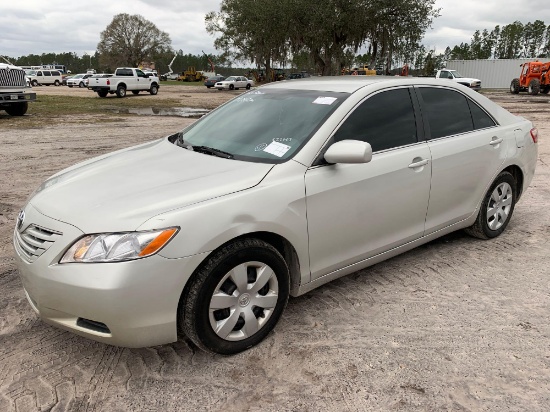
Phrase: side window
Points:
(46, 73)
(480, 118)
(140, 73)
(39, 73)
(444, 75)
(385, 120)
(447, 111)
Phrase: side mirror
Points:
(349, 151)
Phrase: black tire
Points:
(34, 83)
(208, 87)
(121, 91)
(534, 87)
(17, 109)
(195, 317)
(102, 93)
(248, 86)
(70, 85)
(154, 90)
(231, 87)
(135, 92)
(81, 85)
(545, 90)
(514, 86)
(56, 83)
(481, 228)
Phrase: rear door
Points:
(467, 150)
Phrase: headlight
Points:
(117, 247)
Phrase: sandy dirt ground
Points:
(458, 324)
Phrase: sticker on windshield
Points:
(324, 100)
(277, 149)
(260, 147)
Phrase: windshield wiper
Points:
(202, 149)
(212, 151)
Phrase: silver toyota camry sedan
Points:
(206, 233)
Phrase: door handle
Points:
(418, 164)
(496, 140)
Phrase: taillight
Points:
(534, 135)
(108, 82)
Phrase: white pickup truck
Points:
(455, 76)
(15, 92)
(125, 79)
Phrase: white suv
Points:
(44, 77)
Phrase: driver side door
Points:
(356, 211)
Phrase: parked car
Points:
(301, 75)
(208, 231)
(454, 75)
(65, 78)
(211, 81)
(44, 77)
(235, 83)
(79, 80)
(125, 79)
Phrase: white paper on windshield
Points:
(277, 149)
(324, 100)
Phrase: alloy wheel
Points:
(498, 208)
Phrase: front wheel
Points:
(236, 299)
(17, 109)
(496, 209)
(231, 87)
(121, 91)
(514, 86)
(247, 86)
(154, 89)
(534, 87)
(81, 85)
(34, 83)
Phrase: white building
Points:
(494, 74)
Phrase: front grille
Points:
(12, 77)
(34, 241)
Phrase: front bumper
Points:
(131, 304)
(16, 97)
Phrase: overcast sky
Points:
(45, 26)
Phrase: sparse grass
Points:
(47, 110)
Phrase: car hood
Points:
(121, 190)
(467, 79)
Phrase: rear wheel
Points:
(236, 299)
(102, 93)
(514, 86)
(154, 89)
(17, 109)
(56, 83)
(534, 87)
(496, 209)
(121, 91)
(545, 90)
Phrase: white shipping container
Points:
(494, 73)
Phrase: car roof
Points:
(350, 84)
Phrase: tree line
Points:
(304, 36)
(515, 40)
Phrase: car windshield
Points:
(269, 125)
(231, 78)
(78, 76)
(30, 72)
